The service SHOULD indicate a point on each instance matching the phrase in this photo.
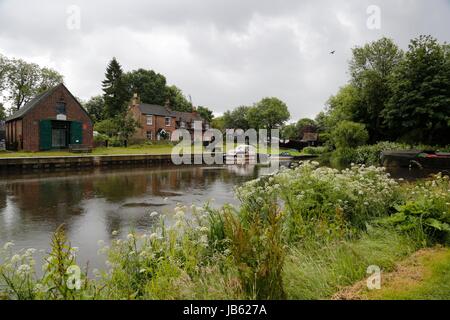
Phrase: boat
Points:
(416, 159)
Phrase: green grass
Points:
(433, 267)
(150, 149)
(316, 272)
(159, 149)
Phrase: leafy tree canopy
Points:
(349, 134)
(176, 99)
(419, 107)
(205, 113)
(149, 85)
(96, 108)
(23, 80)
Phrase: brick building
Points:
(52, 120)
(158, 122)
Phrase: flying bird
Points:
(332, 52)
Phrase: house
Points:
(190, 121)
(310, 137)
(158, 122)
(155, 122)
(52, 120)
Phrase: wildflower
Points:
(115, 233)
(24, 269)
(142, 271)
(40, 288)
(16, 258)
(30, 252)
(153, 236)
(153, 214)
(179, 214)
(130, 236)
(8, 245)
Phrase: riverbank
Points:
(423, 275)
(303, 233)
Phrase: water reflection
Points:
(94, 203)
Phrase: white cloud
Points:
(222, 53)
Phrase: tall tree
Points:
(205, 113)
(370, 70)
(149, 85)
(4, 68)
(176, 99)
(96, 108)
(115, 91)
(26, 80)
(269, 113)
(2, 112)
(237, 118)
(419, 109)
(218, 123)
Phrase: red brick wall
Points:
(46, 109)
(158, 123)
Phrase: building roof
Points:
(36, 100)
(31, 104)
(154, 109)
(310, 136)
(187, 116)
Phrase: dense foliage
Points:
(23, 80)
(398, 96)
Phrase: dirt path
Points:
(424, 275)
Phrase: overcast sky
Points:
(222, 53)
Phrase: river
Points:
(92, 203)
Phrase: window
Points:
(167, 121)
(149, 120)
(183, 124)
(149, 135)
(61, 108)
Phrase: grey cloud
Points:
(222, 53)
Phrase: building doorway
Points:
(60, 134)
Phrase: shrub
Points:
(315, 150)
(426, 213)
(322, 203)
(349, 134)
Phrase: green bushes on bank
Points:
(302, 233)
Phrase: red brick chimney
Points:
(135, 100)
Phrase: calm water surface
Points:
(93, 203)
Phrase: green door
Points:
(76, 133)
(45, 134)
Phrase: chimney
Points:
(135, 100)
(167, 105)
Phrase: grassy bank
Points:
(304, 233)
(424, 275)
(157, 149)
